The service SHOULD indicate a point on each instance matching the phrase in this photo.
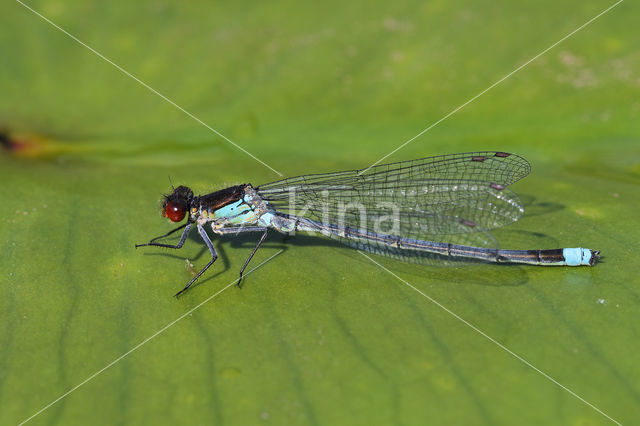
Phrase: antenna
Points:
(171, 183)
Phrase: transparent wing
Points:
(432, 199)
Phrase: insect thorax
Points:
(242, 207)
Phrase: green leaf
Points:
(319, 334)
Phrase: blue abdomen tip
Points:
(577, 256)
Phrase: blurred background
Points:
(319, 335)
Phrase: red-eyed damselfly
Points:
(436, 208)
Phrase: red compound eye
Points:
(174, 211)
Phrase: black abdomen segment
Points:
(532, 256)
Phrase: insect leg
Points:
(255, 249)
(239, 230)
(214, 256)
(183, 238)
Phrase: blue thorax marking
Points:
(241, 212)
(230, 210)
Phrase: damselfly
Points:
(434, 208)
